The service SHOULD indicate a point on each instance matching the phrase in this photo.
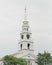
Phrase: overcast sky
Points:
(39, 15)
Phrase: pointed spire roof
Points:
(25, 22)
(25, 17)
(25, 14)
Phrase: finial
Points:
(25, 14)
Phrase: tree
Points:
(43, 58)
(11, 60)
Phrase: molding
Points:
(25, 41)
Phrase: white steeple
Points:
(25, 42)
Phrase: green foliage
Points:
(43, 58)
(11, 60)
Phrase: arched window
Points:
(28, 36)
(21, 46)
(22, 36)
(28, 46)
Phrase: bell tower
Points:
(26, 43)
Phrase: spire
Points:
(25, 14)
(25, 26)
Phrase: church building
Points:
(25, 44)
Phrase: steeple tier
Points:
(25, 26)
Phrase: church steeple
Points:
(26, 42)
(25, 45)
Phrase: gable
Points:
(29, 56)
(25, 56)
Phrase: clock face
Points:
(22, 36)
(28, 36)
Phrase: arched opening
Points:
(28, 36)
(28, 46)
(22, 36)
(21, 46)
